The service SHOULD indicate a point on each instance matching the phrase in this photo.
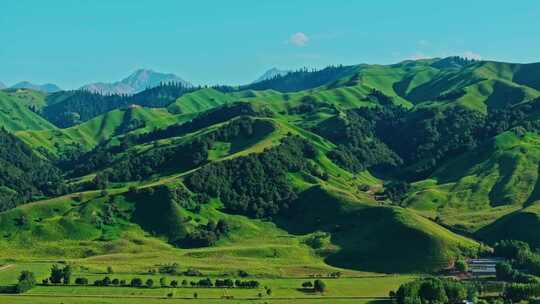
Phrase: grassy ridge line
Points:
(15, 114)
(103, 127)
(199, 101)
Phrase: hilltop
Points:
(398, 168)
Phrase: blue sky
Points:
(72, 42)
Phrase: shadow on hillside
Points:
(369, 238)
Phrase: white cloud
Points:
(299, 39)
(424, 43)
(472, 55)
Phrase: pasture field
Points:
(348, 289)
(100, 300)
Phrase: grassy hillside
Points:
(366, 168)
(504, 171)
(371, 237)
(480, 186)
(88, 134)
(520, 225)
(15, 114)
(199, 101)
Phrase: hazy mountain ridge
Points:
(271, 73)
(46, 88)
(138, 81)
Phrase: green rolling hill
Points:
(102, 128)
(378, 168)
(15, 113)
(199, 101)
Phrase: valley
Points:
(367, 177)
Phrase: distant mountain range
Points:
(2, 85)
(47, 88)
(273, 72)
(138, 81)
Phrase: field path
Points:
(8, 266)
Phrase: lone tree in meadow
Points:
(149, 283)
(136, 282)
(66, 274)
(59, 275)
(307, 284)
(56, 274)
(27, 281)
(319, 286)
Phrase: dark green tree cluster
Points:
(315, 286)
(521, 257)
(515, 293)
(179, 158)
(358, 146)
(24, 175)
(126, 165)
(310, 105)
(67, 108)
(434, 290)
(26, 282)
(380, 98)
(60, 275)
(302, 79)
(81, 281)
(256, 185)
(417, 141)
(203, 120)
(396, 191)
(206, 235)
(505, 272)
(158, 210)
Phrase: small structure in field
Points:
(483, 267)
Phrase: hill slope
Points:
(384, 168)
(15, 113)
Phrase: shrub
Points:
(26, 282)
(319, 286)
(136, 282)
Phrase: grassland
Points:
(88, 134)
(337, 226)
(358, 288)
(15, 114)
(104, 300)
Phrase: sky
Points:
(75, 42)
